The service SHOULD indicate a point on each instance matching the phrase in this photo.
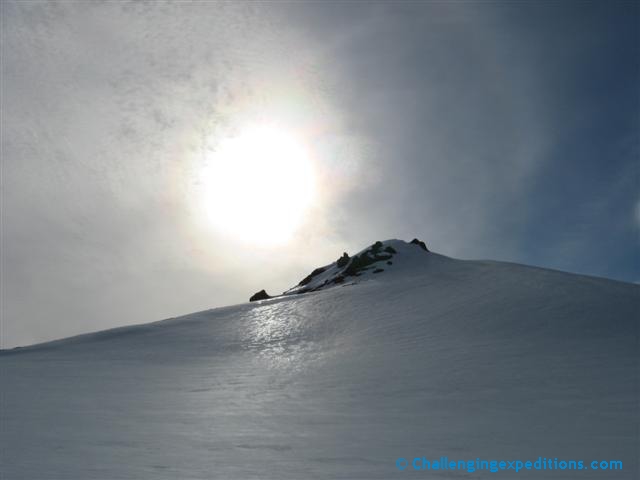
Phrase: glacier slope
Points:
(435, 357)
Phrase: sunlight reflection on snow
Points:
(276, 333)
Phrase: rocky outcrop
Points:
(343, 260)
(419, 243)
(368, 257)
(309, 277)
(261, 295)
(377, 258)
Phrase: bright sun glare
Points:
(257, 186)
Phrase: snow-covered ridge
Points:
(434, 356)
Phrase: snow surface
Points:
(434, 357)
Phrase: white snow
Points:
(434, 357)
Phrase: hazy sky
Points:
(502, 130)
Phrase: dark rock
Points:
(309, 277)
(420, 243)
(318, 271)
(343, 260)
(375, 248)
(349, 267)
(358, 262)
(361, 262)
(261, 295)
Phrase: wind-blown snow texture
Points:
(433, 357)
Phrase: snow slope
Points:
(434, 357)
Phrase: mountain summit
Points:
(375, 259)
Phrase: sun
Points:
(257, 186)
